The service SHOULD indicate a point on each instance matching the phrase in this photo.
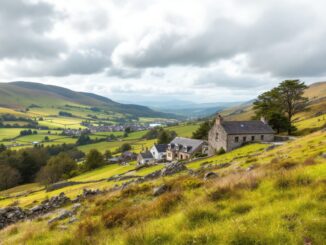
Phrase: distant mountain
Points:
(187, 108)
(19, 95)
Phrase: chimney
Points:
(219, 119)
(262, 118)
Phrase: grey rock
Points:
(173, 168)
(75, 207)
(160, 190)
(62, 215)
(210, 175)
(323, 155)
(72, 220)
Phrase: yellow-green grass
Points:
(62, 124)
(184, 130)
(21, 189)
(12, 112)
(9, 133)
(239, 153)
(104, 172)
(137, 146)
(268, 205)
(315, 122)
(299, 150)
(101, 146)
(136, 135)
(19, 123)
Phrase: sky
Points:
(159, 50)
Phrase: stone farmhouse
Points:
(229, 135)
(159, 151)
(183, 148)
(145, 158)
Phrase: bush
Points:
(220, 151)
(114, 217)
(224, 192)
(9, 177)
(94, 159)
(87, 228)
(57, 168)
(125, 147)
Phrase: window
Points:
(252, 138)
(244, 139)
(236, 139)
(262, 137)
(216, 137)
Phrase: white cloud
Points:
(194, 49)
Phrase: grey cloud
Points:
(81, 62)
(23, 26)
(124, 73)
(279, 42)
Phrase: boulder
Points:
(173, 168)
(157, 191)
(210, 175)
(63, 214)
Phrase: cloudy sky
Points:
(136, 50)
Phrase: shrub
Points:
(133, 190)
(114, 217)
(283, 182)
(220, 151)
(303, 180)
(166, 202)
(309, 161)
(9, 177)
(94, 159)
(223, 192)
(57, 168)
(87, 228)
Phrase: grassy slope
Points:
(282, 201)
(305, 121)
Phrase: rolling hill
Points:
(21, 95)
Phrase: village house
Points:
(229, 135)
(159, 151)
(145, 158)
(183, 148)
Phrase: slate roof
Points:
(246, 127)
(185, 144)
(146, 155)
(161, 147)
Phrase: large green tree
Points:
(202, 131)
(94, 159)
(286, 100)
(58, 168)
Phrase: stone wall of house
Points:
(215, 143)
(232, 144)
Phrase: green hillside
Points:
(280, 200)
(20, 95)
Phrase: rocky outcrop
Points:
(160, 190)
(173, 168)
(210, 175)
(11, 215)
